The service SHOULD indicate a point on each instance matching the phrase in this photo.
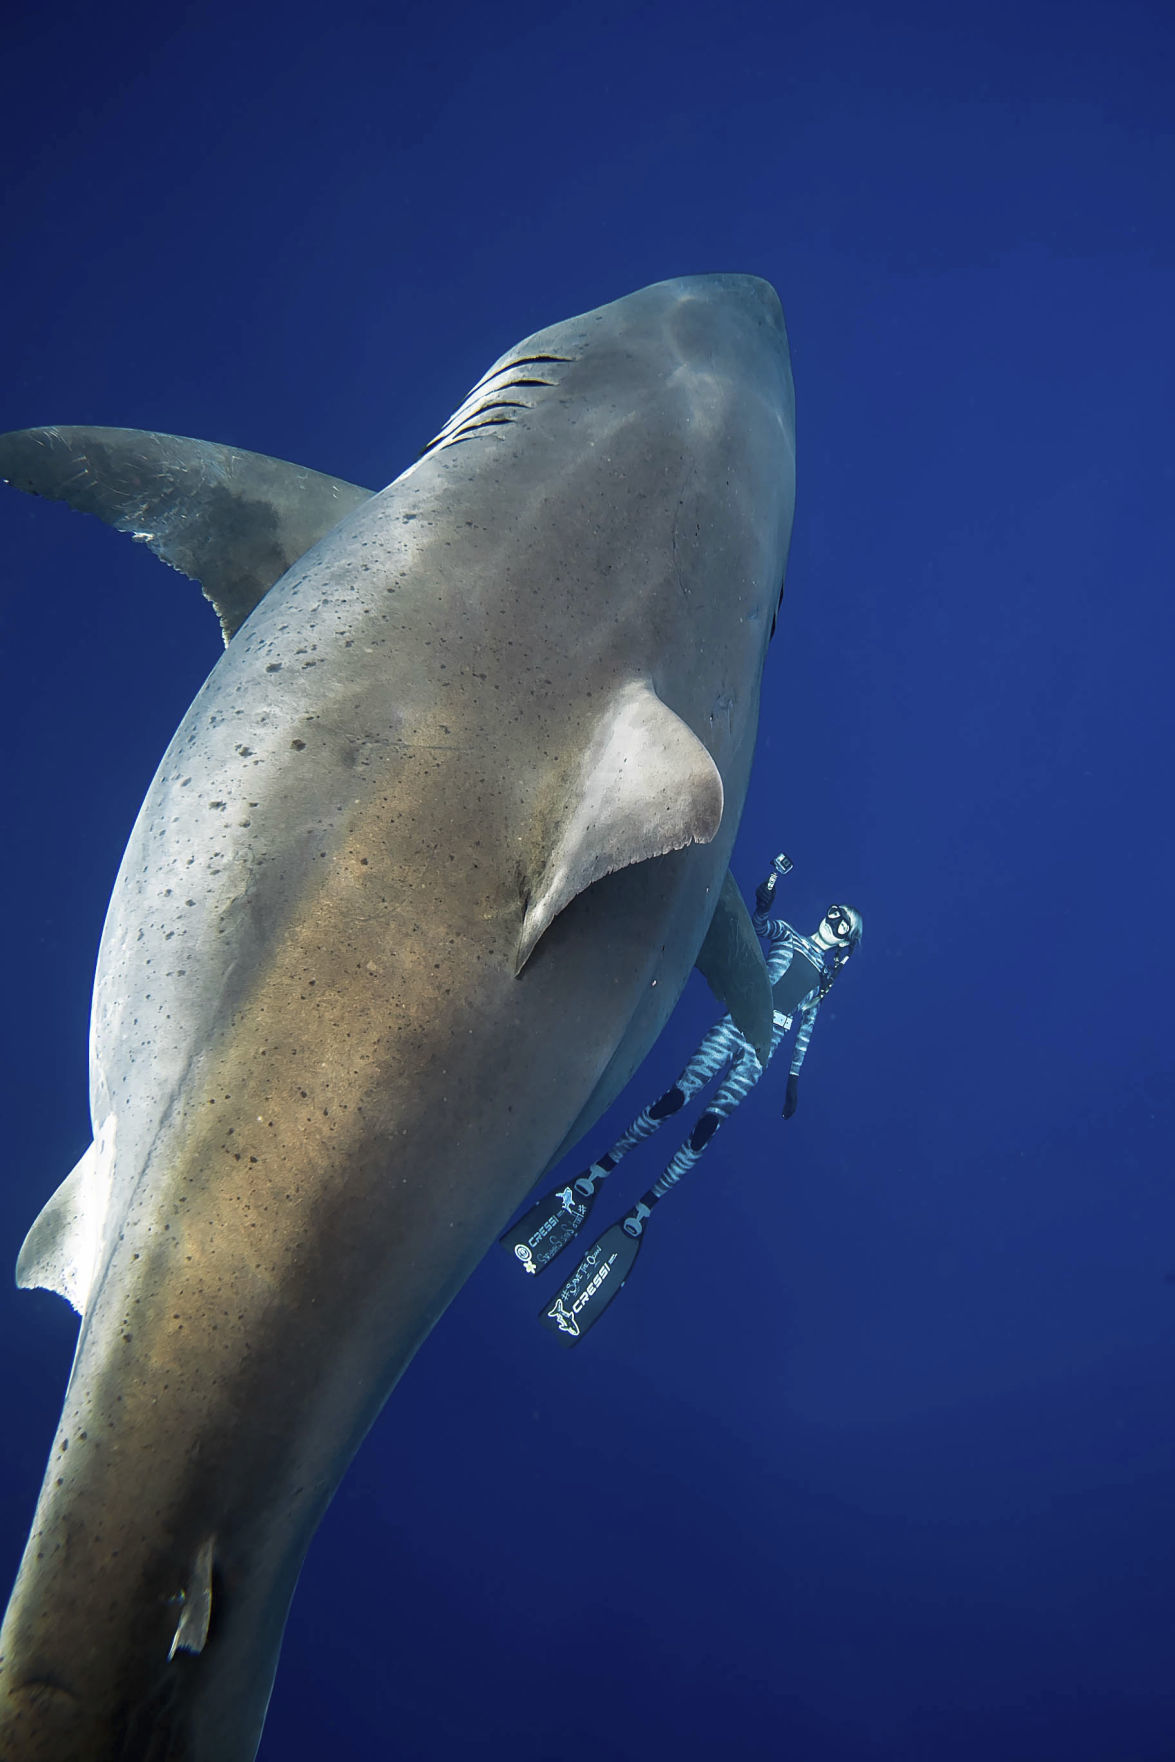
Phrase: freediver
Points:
(801, 970)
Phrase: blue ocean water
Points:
(872, 1461)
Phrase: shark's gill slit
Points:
(486, 395)
(520, 361)
(458, 439)
(487, 422)
(470, 414)
(473, 420)
(506, 404)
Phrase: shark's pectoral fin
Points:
(61, 1251)
(233, 521)
(731, 962)
(646, 786)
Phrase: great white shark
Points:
(414, 889)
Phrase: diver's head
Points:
(840, 929)
(839, 932)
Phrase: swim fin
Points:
(551, 1223)
(599, 1276)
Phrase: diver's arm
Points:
(807, 1021)
(765, 894)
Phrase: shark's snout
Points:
(748, 297)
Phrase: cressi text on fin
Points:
(551, 1223)
(598, 1278)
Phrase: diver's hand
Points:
(765, 892)
(792, 1099)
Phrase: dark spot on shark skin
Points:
(298, 745)
(274, 667)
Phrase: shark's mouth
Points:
(488, 406)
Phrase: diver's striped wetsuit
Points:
(725, 1047)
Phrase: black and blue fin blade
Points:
(600, 1275)
(231, 520)
(732, 964)
(551, 1223)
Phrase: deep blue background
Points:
(872, 1462)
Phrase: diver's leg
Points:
(601, 1274)
(744, 1074)
(715, 1051)
(546, 1229)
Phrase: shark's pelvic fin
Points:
(195, 1603)
(646, 786)
(732, 964)
(62, 1250)
(233, 521)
